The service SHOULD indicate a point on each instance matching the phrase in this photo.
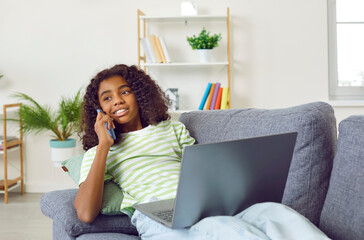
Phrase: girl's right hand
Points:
(102, 134)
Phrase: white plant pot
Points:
(62, 150)
(205, 55)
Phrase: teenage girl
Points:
(144, 160)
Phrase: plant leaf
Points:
(36, 118)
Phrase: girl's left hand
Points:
(101, 131)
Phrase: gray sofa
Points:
(325, 181)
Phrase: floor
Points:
(21, 218)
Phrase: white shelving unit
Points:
(192, 64)
(143, 20)
(184, 18)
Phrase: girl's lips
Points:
(120, 113)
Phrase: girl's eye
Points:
(125, 92)
(107, 98)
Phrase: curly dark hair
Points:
(152, 101)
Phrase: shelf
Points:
(10, 149)
(12, 184)
(144, 21)
(12, 145)
(184, 64)
(184, 18)
(183, 110)
(175, 114)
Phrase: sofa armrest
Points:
(342, 216)
(58, 205)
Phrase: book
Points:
(203, 101)
(155, 48)
(150, 50)
(214, 96)
(8, 139)
(2, 147)
(146, 50)
(160, 50)
(224, 98)
(209, 98)
(218, 99)
(165, 50)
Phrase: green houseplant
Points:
(204, 43)
(62, 123)
(204, 40)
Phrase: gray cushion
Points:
(107, 236)
(58, 205)
(343, 212)
(311, 165)
(59, 233)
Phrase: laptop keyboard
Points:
(165, 215)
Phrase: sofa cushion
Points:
(58, 205)
(112, 198)
(59, 233)
(113, 195)
(73, 167)
(313, 155)
(107, 236)
(342, 216)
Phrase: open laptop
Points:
(225, 178)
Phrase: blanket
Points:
(263, 221)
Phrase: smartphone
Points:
(111, 130)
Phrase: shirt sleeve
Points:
(87, 161)
(183, 135)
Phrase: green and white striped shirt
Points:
(146, 163)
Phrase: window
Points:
(346, 49)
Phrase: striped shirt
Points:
(145, 164)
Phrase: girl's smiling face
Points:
(119, 102)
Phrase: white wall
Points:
(51, 48)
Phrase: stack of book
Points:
(8, 139)
(215, 97)
(155, 49)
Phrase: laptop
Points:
(225, 178)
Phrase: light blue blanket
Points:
(258, 222)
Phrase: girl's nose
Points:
(119, 100)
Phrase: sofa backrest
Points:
(313, 155)
(342, 216)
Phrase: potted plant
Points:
(204, 43)
(62, 123)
